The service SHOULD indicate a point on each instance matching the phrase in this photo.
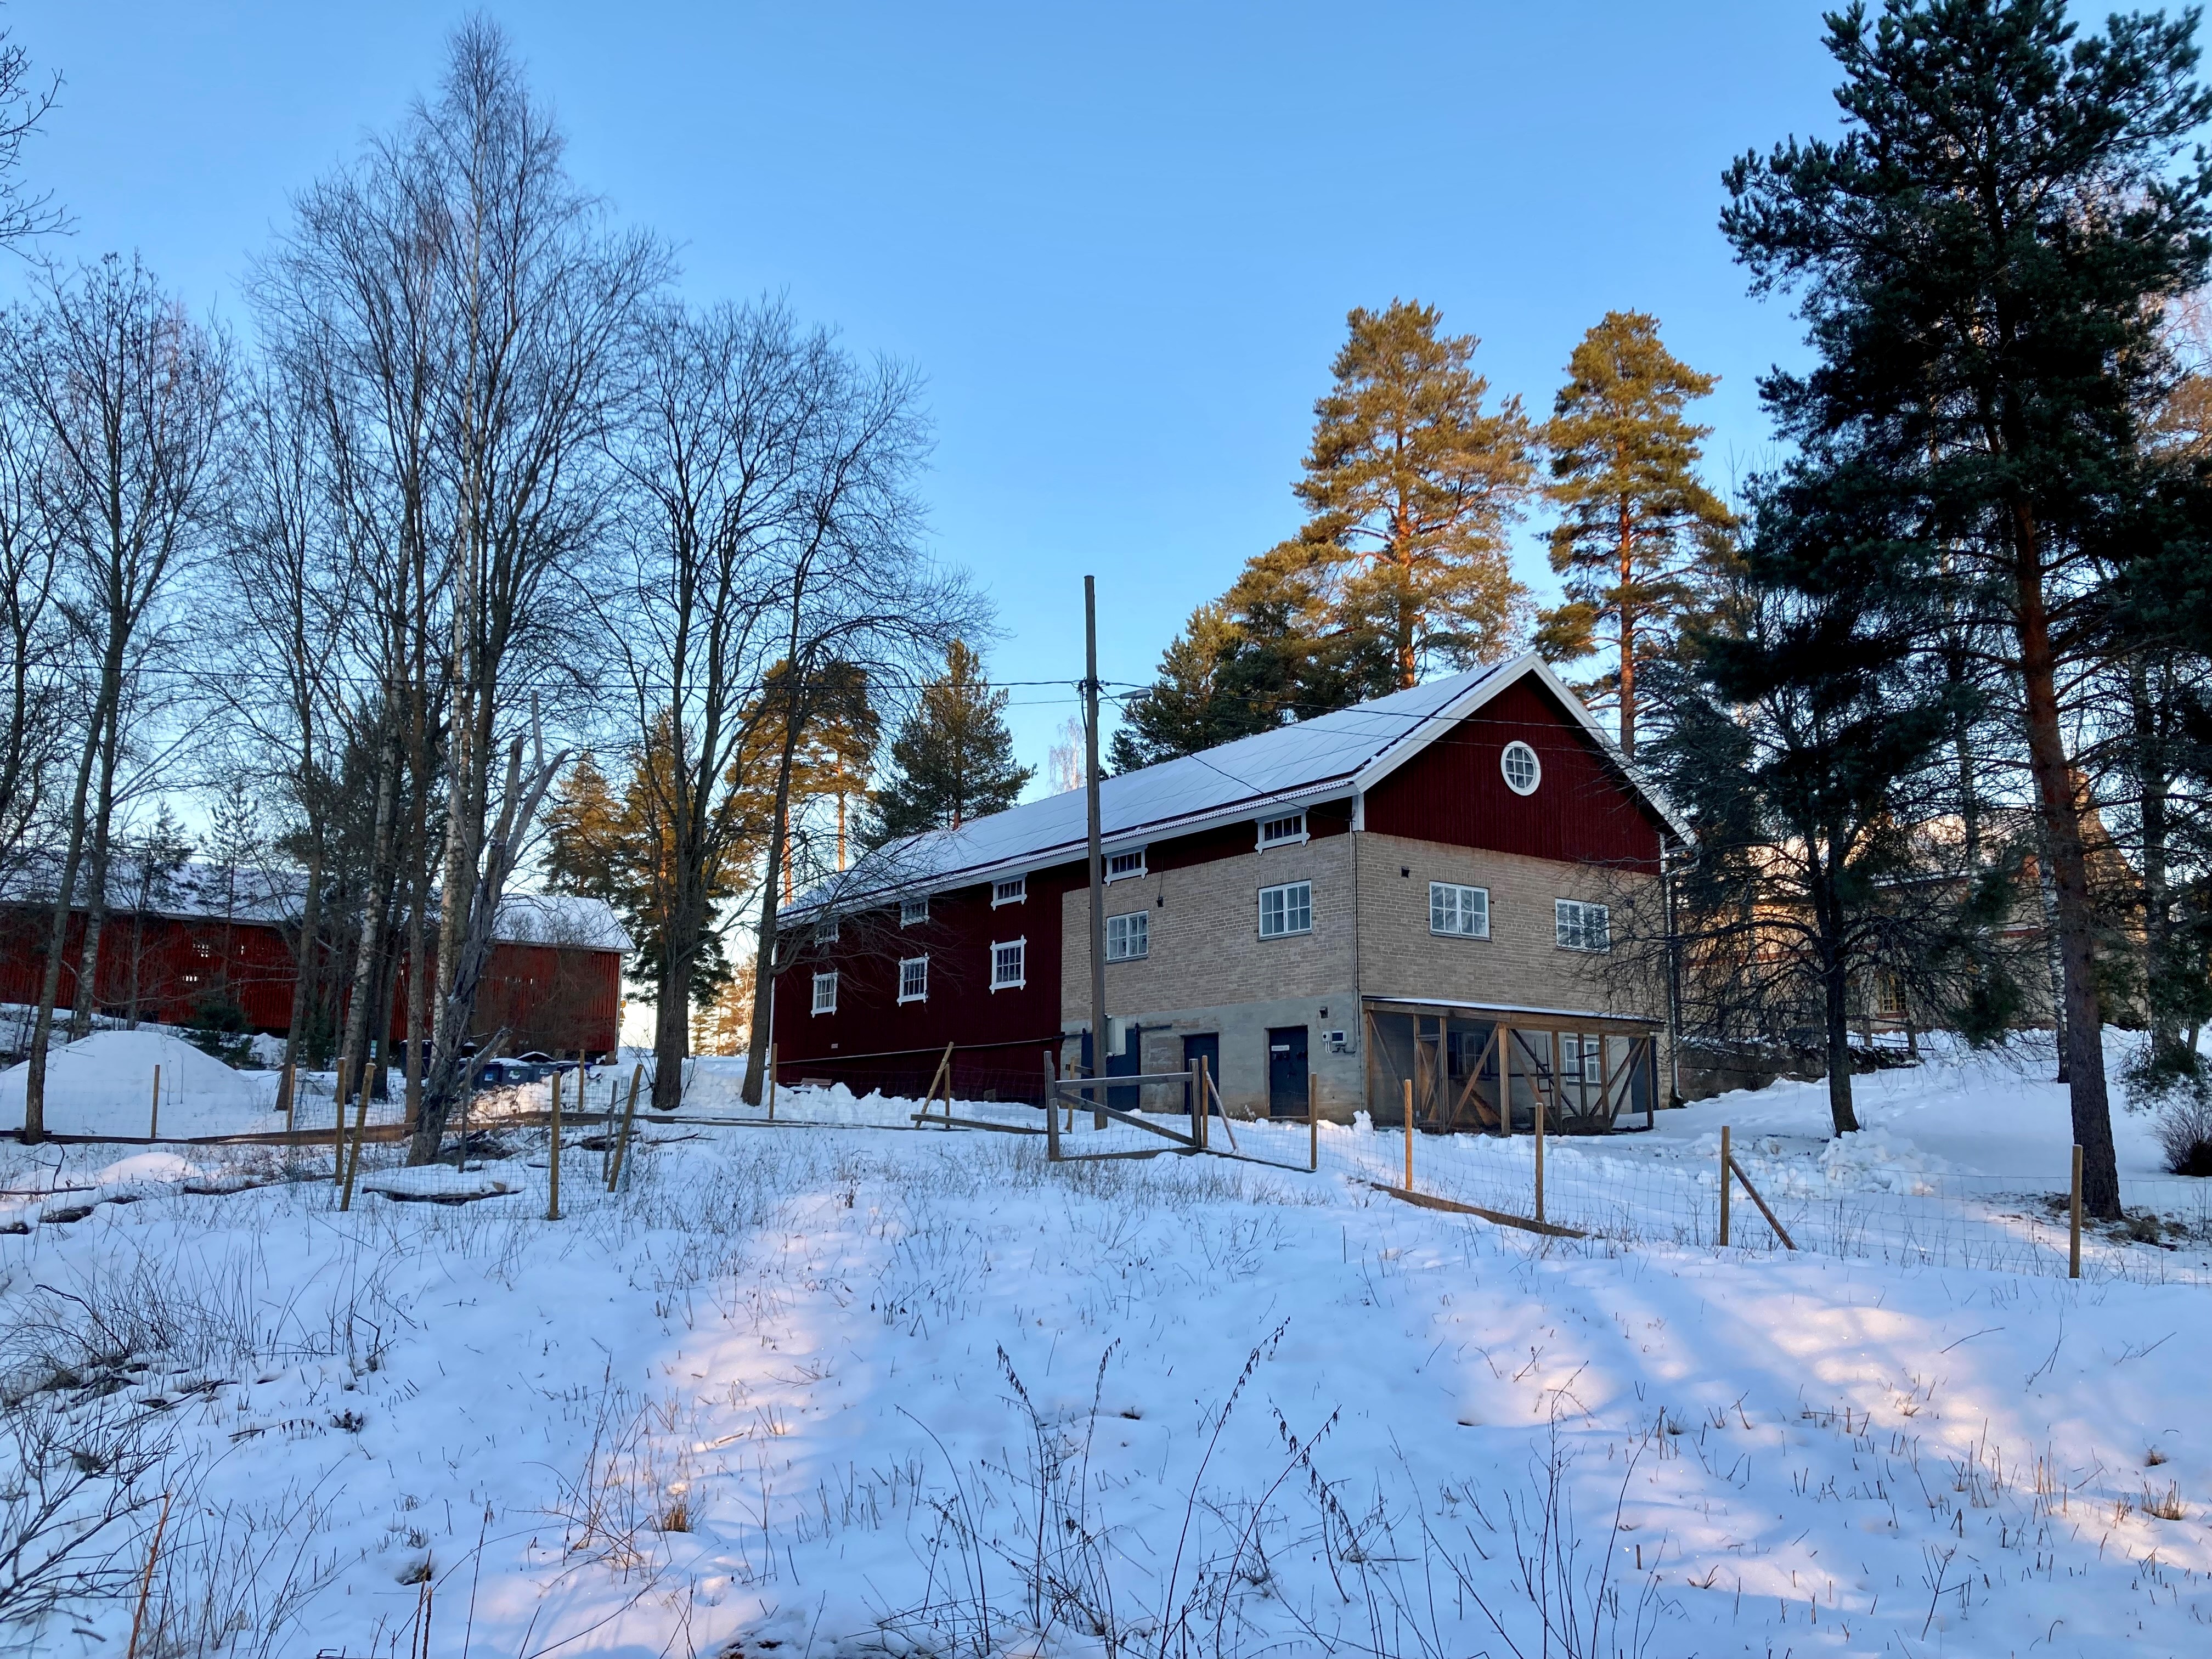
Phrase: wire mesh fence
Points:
(1621, 1188)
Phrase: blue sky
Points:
(1118, 241)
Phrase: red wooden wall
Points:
(1582, 811)
(550, 998)
(874, 1041)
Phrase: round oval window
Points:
(1521, 770)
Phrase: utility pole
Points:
(1097, 862)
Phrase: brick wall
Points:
(1520, 964)
(1206, 948)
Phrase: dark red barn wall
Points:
(1454, 791)
(552, 998)
(872, 1042)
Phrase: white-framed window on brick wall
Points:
(825, 993)
(913, 912)
(1014, 889)
(1288, 830)
(1583, 926)
(1121, 865)
(914, 980)
(1286, 910)
(1459, 912)
(1008, 965)
(1129, 938)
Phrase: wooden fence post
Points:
(154, 1118)
(630, 1117)
(1727, 1163)
(1409, 1126)
(1051, 1109)
(771, 1083)
(351, 1165)
(1313, 1122)
(284, 1085)
(553, 1163)
(337, 1124)
(1540, 1149)
(2074, 1222)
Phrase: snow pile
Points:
(104, 1084)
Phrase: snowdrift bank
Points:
(104, 1084)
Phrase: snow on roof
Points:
(1327, 756)
(201, 891)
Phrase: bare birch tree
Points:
(128, 392)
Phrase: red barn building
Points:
(554, 981)
(1416, 889)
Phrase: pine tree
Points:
(1412, 488)
(1983, 259)
(1639, 536)
(953, 759)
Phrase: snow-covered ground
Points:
(870, 1389)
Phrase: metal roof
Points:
(1319, 759)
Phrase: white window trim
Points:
(1259, 831)
(831, 976)
(1144, 916)
(1285, 887)
(1106, 862)
(1020, 895)
(1462, 887)
(1535, 759)
(998, 945)
(826, 933)
(913, 912)
(1559, 926)
(906, 963)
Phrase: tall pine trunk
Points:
(1627, 637)
(2053, 778)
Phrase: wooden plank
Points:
(1780, 1231)
(1473, 1076)
(1430, 1202)
(1067, 1092)
(950, 1123)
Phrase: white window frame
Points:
(1014, 889)
(1143, 929)
(1295, 834)
(913, 912)
(1287, 909)
(923, 994)
(825, 932)
(826, 978)
(1138, 854)
(1535, 767)
(1572, 920)
(1459, 891)
(1021, 945)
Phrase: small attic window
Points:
(1119, 864)
(1289, 830)
(1523, 770)
(913, 912)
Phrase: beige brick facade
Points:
(1520, 965)
(1206, 948)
